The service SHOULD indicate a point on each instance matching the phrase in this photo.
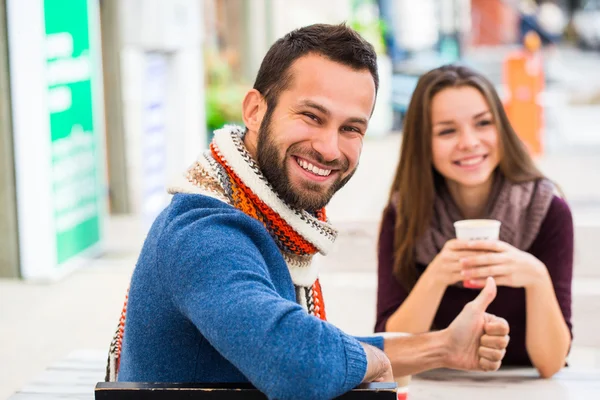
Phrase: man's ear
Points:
(254, 108)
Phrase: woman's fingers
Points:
(501, 280)
(456, 244)
(484, 272)
(495, 246)
(485, 259)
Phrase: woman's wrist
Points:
(434, 280)
(541, 277)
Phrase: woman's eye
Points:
(484, 122)
(446, 132)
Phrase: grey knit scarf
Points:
(521, 207)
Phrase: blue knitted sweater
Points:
(211, 300)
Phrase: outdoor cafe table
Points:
(506, 384)
(75, 376)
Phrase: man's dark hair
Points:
(338, 43)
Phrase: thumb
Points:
(487, 295)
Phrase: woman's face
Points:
(465, 143)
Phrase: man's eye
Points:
(311, 116)
(351, 129)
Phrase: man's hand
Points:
(477, 340)
(379, 368)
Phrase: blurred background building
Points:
(102, 102)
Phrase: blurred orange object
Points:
(524, 82)
(532, 42)
(493, 23)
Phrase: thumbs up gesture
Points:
(478, 340)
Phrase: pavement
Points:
(42, 323)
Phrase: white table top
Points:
(513, 384)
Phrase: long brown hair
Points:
(416, 181)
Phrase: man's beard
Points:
(312, 195)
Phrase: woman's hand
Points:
(446, 268)
(508, 265)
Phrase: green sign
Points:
(74, 138)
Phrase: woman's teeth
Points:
(309, 167)
(470, 161)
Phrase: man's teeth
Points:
(309, 167)
(471, 161)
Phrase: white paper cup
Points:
(403, 388)
(477, 229)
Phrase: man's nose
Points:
(326, 143)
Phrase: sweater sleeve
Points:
(554, 247)
(373, 340)
(220, 281)
(390, 294)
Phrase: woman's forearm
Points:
(547, 337)
(416, 313)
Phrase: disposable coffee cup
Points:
(403, 383)
(477, 229)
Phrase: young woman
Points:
(460, 159)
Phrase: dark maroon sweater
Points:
(553, 246)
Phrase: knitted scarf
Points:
(520, 207)
(227, 172)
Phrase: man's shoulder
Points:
(198, 216)
(205, 235)
(196, 207)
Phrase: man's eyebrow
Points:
(325, 111)
(316, 106)
(357, 120)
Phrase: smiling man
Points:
(309, 144)
(224, 289)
